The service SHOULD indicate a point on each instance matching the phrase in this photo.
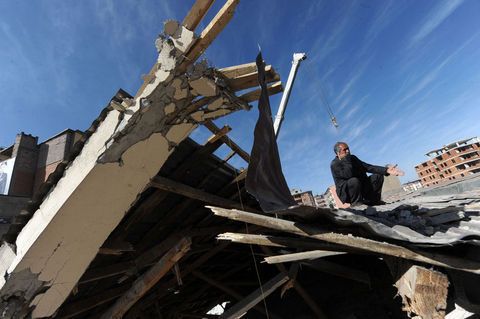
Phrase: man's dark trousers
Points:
(367, 189)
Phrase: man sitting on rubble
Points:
(353, 185)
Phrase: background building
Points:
(303, 198)
(25, 165)
(450, 162)
(320, 201)
(412, 186)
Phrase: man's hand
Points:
(393, 170)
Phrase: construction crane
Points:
(297, 58)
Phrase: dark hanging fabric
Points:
(265, 180)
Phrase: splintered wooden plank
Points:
(275, 241)
(314, 254)
(196, 14)
(251, 79)
(235, 71)
(210, 33)
(255, 95)
(144, 283)
(365, 244)
(311, 302)
(424, 292)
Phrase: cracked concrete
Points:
(20, 289)
(90, 200)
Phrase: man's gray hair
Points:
(337, 146)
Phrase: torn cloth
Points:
(265, 180)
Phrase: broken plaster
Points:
(17, 293)
(143, 140)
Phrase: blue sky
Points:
(402, 77)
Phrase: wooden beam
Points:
(240, 177)
(424, 292)
(196, 14)
(219, 285)
(276, 241)
(191, 192)
(115, 247)
(255, 297)
(370, 245)
(311, 303)
(219, 134)
(188, 269)
(229, 156)
(144, 283)
(251, 79)
(219, 278)
(234, 146)
(235, 71)
(83, 305)
(254, 95)
(152, 254)
(209, 34)
(313, 254)
(107, 271)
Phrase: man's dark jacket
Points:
(348, 167)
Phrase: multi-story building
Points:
(24, 166)
(320, 201)
(303, 198)
(452, 161)
(412, 186)
(330, 197)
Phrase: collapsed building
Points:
(139, 220)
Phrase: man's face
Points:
(343, 151)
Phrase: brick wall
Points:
(52, 152)
(25, 153)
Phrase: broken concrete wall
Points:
(117, 162)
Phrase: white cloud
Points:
(434, 73)
(332, 37)
(443, 10)
(353, 78)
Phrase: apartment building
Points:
(412, 186)
(303, 198)
(451, 162)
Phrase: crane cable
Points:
(323, 96)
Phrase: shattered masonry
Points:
(150, 126)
